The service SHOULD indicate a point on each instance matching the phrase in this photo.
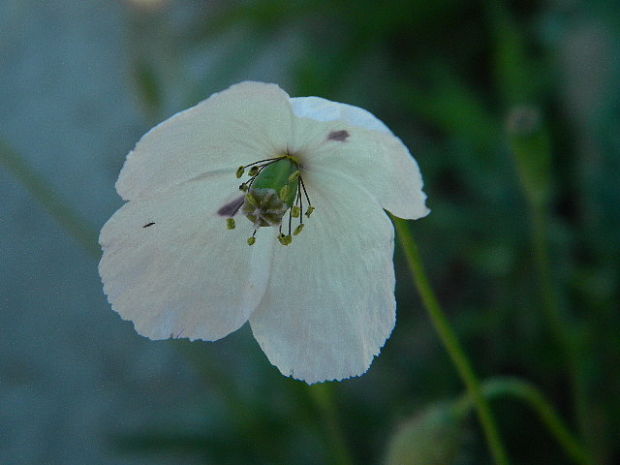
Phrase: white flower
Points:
(178, 264)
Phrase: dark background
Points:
(512, 110)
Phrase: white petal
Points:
(185, 275)
(249, 121)
(321, 109)
(329, 306)
(369, 153)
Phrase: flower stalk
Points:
(530, 145)
(322, 396)
(531, 395)
(450, 341)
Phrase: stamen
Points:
(251, 200)
(284, 193)
(303, 188)
(230, 223)
(301, 203)
(248, 184)
(270, 192)
(290, 223)
(263, 161)
(285, 240)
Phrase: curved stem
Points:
(450, 341)
(530, 144)
(530, 394)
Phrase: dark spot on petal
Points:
(339, 136)
(231, 208)
(148, 225)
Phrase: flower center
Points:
(275, 187)
(272, 192)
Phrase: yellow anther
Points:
(243, 187)
(285, 240)
(291, 157)
(240, 171)
(294, 176)
(251, 200)
(295, 211)
(284, 193)
(253, 171)
(309, 211)
(298, 229)
(230, 223)
(251, 240)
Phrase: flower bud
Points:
(431, 437)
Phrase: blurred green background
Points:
(512, 110)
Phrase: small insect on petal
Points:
(338, 136)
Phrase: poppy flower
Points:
(256, 207)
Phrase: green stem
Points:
(530, 145)
(450, 341)
(538, 232)
(531, 395)
(323, 397)
(77, 226)
(556, 321)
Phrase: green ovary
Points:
(272, 193)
